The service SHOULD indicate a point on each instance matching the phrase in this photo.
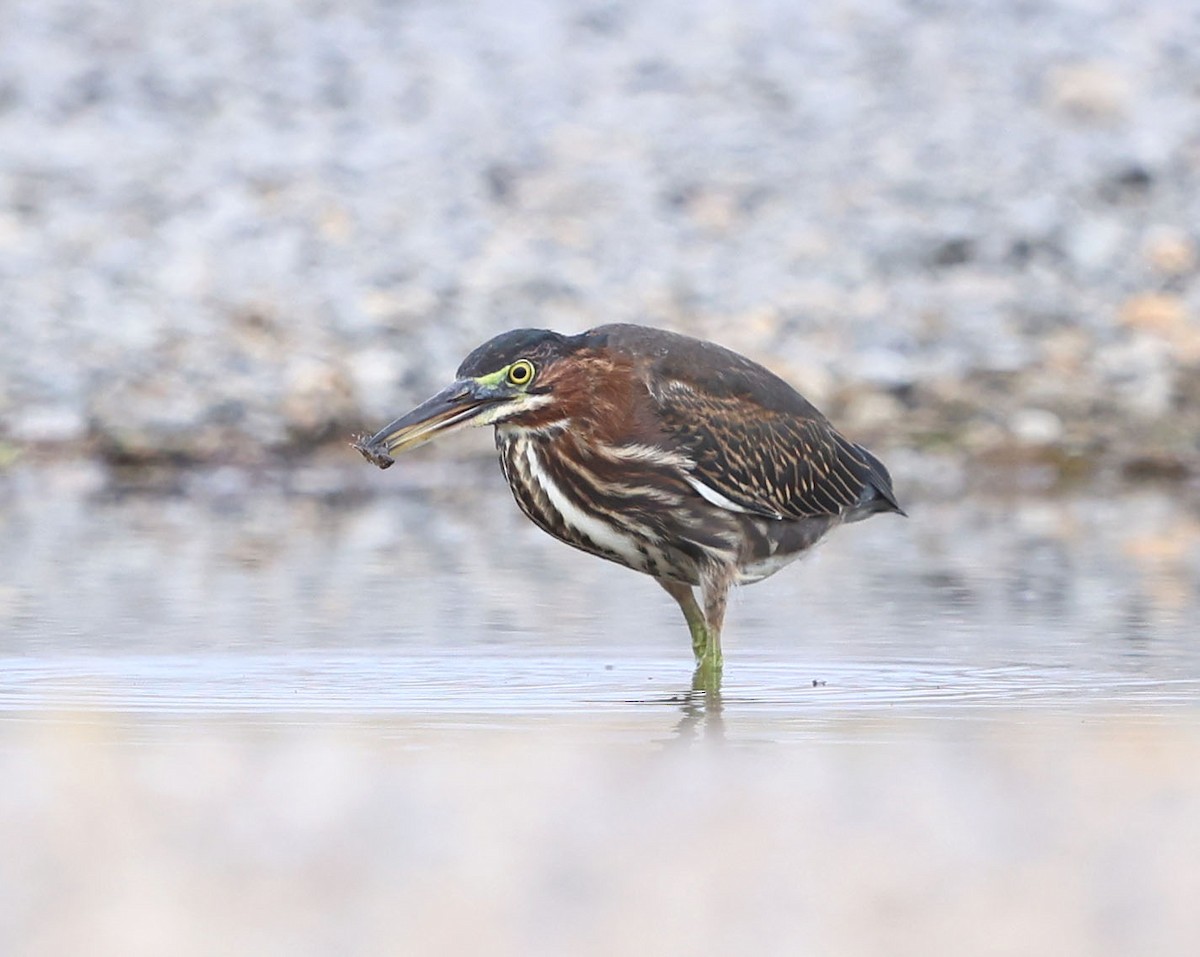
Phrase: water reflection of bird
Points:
(666, 454)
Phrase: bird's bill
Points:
(450, 410)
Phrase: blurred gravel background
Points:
(229, 230)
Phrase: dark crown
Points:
(507, 347)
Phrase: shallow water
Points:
(329, 711)
(277, 599)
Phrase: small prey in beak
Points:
(372, 452)
(462, 403)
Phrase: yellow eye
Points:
(521, 372)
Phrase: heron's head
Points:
(514, 378)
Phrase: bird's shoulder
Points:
(703, 368)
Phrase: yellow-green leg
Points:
(705, 626)
(692, 614)
(715, 595)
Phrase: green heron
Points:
(666, 454)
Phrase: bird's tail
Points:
(877, 494)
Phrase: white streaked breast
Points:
(600, 533)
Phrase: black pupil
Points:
(519, 373)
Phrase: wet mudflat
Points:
(262, 716)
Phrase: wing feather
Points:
(777, 463)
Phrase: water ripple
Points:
(369, 683)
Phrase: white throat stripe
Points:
(600, 533)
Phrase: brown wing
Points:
(755, 440)
(773, 463)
